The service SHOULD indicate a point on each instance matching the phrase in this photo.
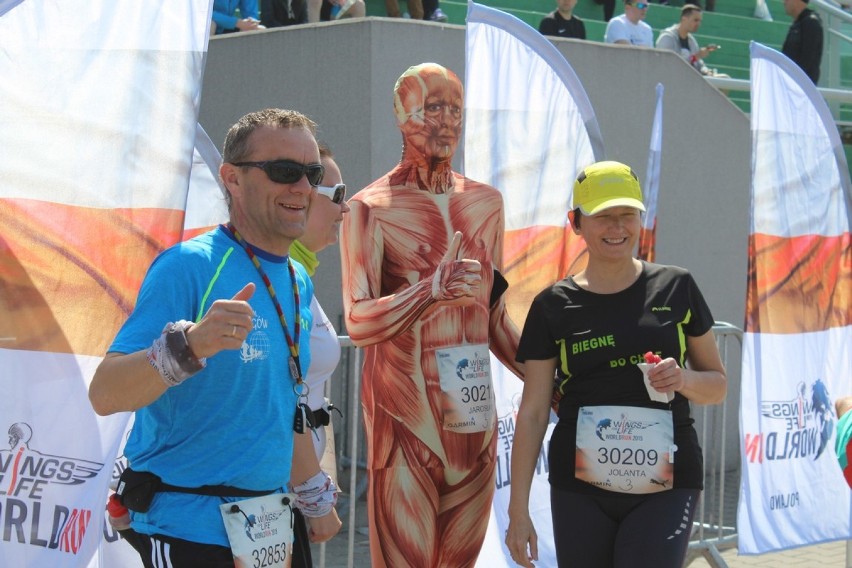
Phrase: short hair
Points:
(325, 151)
(689, 9)
(236, 146)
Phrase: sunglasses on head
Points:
(337, 192)
(640, 5)
(287, 171)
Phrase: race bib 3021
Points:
(467, 395)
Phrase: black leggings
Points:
(622, 531)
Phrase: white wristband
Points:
(316, 496)
(171, 356)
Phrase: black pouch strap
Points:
(215, 490)
(152, 483)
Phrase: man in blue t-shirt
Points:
(212, 356)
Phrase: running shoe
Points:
(438, 16)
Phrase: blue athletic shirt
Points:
(231, 423)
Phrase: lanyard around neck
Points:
(292, 342)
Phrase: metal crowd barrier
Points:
(345, 392)
(714, 526)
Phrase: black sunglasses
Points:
(287, 171)
(337, 192)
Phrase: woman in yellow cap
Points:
(626, 469)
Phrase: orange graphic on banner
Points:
(69, 275)
(800, 284)
(535, 258)
(647, 244)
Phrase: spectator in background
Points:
(225, 22)
(608, 8)
(415, 9)
(628, 28)
(432, 12)
(562, 23)
(804, 38)
(328, 10)
(280, 13)
(679, 38)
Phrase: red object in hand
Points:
(651, 358)
(117, 514)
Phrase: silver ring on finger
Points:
(234, 333)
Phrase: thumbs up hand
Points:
(225, 325)
(456, 281)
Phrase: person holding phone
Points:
(679, 38)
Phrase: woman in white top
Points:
(326, 212)
(321, 230)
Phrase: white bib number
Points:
(467, 395)
(625, 449)
(260, 530)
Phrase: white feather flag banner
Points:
(797, 346)
(97, 128)
(529, 129)
(651, 188)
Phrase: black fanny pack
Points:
(136, 490)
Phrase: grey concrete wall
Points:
(342, 75)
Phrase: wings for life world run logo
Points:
(804, 424)
(26, 477)
(801, 428)
(505, 437)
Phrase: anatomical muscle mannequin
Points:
(420, 248)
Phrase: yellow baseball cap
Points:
(606, 184)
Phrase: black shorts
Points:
(158, 551)
(622, 531)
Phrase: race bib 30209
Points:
(625, 449)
